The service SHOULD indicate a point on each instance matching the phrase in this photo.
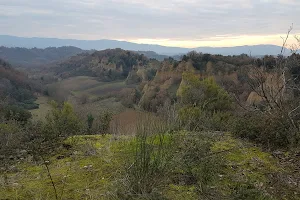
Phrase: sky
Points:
(181, 23)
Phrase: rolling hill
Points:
(107, 65)
(15, 87)
(37, 57)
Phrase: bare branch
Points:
(284, 40)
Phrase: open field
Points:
(95, 166)
(99, 96)
(83, 175)
(90, 86)
(124, 121)
(105, 88)
(44, 107)
(97, 107)
(79, 83)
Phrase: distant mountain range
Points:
(255, 50)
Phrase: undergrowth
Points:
(167, 165)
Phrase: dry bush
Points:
(275, 92)
(128, 97)
(126, 123)
(83, 99)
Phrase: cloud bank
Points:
(170, 22)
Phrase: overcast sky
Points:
(186, 23)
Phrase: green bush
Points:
(38, 138)
(204, 104)
(28, 106)
(62, 121)
(149, 163)
(195, 118)
(104, 120)
(16, 113)
(271, 130)
(194, 164)
(90, 121)
(11, 135)
(206, 93)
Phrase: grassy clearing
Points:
(90, 86)
(246, 175)
(106, 87)
(86, 94)
(85, 172)
(44, 108)
(97, 107)
(95, 165)
(79, 83)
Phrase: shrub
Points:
(128, 97)
(16, 113)
(204, 93)
(62, 121)
(205, 105)
(271, 130)
(104, 120)
(30, 106)
(194, 164)
(90, 121)
(151, 156)
(11, 135)
(195, 118)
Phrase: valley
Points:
(115, 124)
(149, 100)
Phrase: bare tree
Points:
(277, 87)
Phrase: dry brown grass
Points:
(97, 107)
(84, 85)
(126, 123)
(79, 83)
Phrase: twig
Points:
(284, 40)
(49, 174)
(63, 187)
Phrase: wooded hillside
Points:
(15, 87)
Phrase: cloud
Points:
(155, 20)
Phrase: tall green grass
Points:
(152, 152)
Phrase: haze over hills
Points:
(36, 57)
(12, 41)
(255, 50)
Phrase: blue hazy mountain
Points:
(255, 50)
(13, 41)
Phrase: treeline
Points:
(16, 88)
(107, 65)
(35, 57)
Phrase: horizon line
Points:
(131, 42)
